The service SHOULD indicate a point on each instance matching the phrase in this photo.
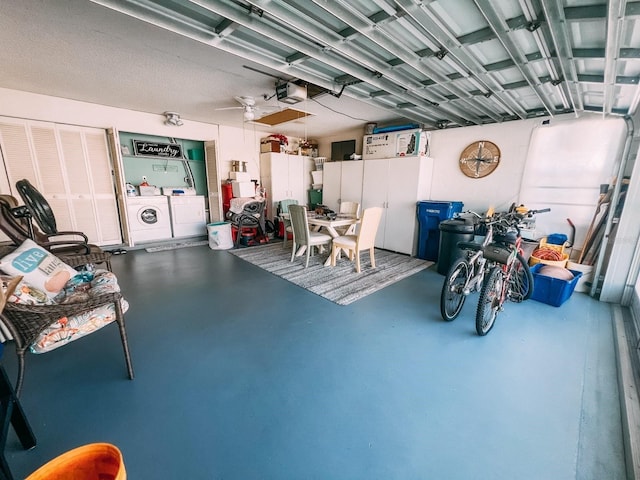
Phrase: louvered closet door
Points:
(71, 167)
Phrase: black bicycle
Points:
(496, 267)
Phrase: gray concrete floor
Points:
(242, 375)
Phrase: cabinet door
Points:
(280, 176)
(400, 227)
(351, 183)
(374, 192)
(71, 167)
(296, 179)
(331, 175)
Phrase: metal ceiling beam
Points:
(501, 29)
(377, 34)
(615, 22)
(150, 13)
(391, 80)
(435, 28)
(598, 12)
(556, 24)
(544, 42)
(625, 53)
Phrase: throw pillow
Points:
(39, 267)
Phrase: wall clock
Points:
(479, 159)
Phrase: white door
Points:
(331, 176)
(351, 184)
(214, 198)
(297, 188)
(71, 167)
(278, 172)
(401, 204)
(375, 184)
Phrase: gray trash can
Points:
(460, 229)
(220, 236)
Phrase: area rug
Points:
(173, 246)
(340, 284)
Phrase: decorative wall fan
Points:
(250, 109)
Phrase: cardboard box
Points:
(146, 191)
(269, 146)
(243, 189)
(240, 176)
(403, 143)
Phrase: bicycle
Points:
(510, 278)
(496, 267)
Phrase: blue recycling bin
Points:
(430, 214)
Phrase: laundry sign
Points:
(154, 149)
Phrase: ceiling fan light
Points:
(249, 115)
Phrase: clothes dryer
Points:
(188, 217)
(149, 218)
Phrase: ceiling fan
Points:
(249, 107)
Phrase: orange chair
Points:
(96, 460)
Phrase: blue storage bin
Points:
(550, 290)
(430, 214)
(557, 238)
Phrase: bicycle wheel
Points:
(452, 296)
(489, 304)
(520, 280)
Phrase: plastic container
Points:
(564, 255)
(220, 237)
(315, 197)
(430, 214)
(550, 290)
(452, 231)
(96, 460)
(583, 284)
(557, 238)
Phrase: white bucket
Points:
(220, 236)
(584, 283)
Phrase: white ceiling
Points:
(371, 60)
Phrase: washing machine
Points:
(149, 218)
(188, 216)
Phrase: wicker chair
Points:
(26, 322)
(75, 252)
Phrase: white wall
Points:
(523, 151)
(14, 103)
(499, 189)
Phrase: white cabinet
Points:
(285, 176)
(342, 182)
(396, 184)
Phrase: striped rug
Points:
(340, 284)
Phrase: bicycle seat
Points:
(508, 238)
(470, 246)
